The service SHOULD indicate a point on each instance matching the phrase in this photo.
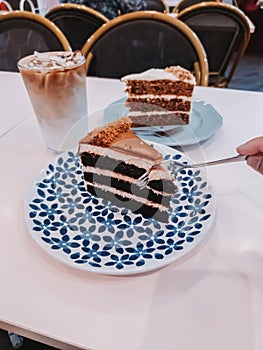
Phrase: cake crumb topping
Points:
(172, 73)
(105, 136)
(180, 72)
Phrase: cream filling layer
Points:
(110, 174)
(163, 97)
(138, 113)
(129, 196)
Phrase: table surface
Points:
(214, 300)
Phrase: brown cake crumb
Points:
(180, 73)
(105, 136)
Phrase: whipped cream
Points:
(170, 73)
(52, 60)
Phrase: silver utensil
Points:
(176, 166)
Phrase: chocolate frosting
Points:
(119, 137)
(135, 147)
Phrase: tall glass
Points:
(56, 84)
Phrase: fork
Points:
(178, 166)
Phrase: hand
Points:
(253, 149)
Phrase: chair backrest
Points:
(22, 32)
(183, 4)
(224, 32)
(157, 5)
(77, 22)
(137, 41)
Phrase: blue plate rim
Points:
(198, 239)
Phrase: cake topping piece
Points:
(180, 73)
(105, 136)
(118, 136)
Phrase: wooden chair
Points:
(141, 40)
(22, 32)
(224, 32)
(157, 5)
(77, 22)
(183, 4)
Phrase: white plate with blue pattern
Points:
(92, 234)
(205, 121)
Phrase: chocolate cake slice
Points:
(113, 158)
(159, 97)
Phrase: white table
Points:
(212, 301)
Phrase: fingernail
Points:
(241, 146)
(254, 162)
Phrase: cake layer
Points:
(158, 104)
(131, 188)
(127, 187)
(153, 119)
(159, 184)
(127, 196)
(147, 209)
(159, 87)
(118, 166)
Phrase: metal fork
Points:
(176, 166)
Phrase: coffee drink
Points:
(56, 84)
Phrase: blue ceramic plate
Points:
(204, 122)
(94, 235)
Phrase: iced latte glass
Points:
(56, 84)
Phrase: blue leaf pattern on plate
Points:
(98, 235)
